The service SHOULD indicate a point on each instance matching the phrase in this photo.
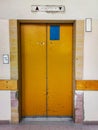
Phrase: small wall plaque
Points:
(88, 24)
(5, 59)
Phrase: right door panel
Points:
(59, 67)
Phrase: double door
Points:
(46, 53)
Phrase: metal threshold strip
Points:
(55, 119)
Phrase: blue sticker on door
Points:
(54, 32)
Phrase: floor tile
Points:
(49, 126)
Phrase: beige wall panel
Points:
(79, 39)
(13, 49)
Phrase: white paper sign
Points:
(5, 59)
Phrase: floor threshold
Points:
(46, 119)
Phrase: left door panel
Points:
(33, 53)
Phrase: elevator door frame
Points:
(19, 54)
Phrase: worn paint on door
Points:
(46, 70)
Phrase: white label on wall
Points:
(88, 25)
(5, 59)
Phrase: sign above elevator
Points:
(48, 8)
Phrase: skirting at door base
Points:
(2, 122)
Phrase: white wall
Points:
(91, 53)
(90, 72)
(90, 106)
(5, 105)
(75, 9)
(5, 101)
(4, 49)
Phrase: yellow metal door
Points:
(46, 70)
(33, 53)
(60, 72)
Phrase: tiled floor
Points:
(49, 126)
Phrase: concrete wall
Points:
(90, 72)
(5, 106)
(75, 9)
(91, 53)
(4, 49)
(90, 106)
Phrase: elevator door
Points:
(46, 51)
